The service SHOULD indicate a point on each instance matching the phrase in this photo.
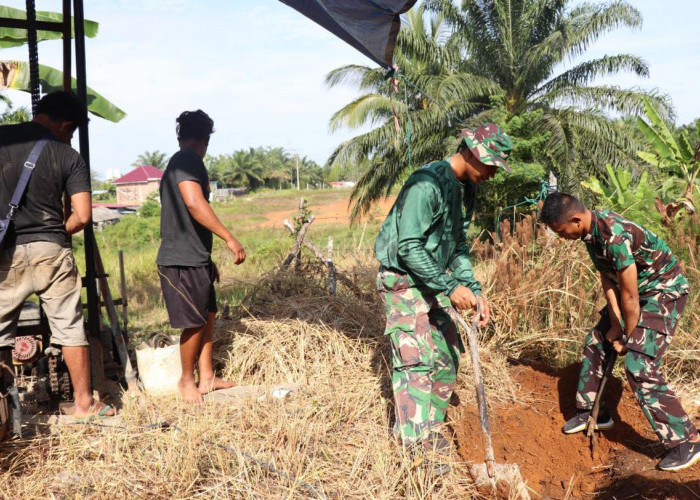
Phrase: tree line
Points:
(464, 63)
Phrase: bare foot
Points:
(213, 384)
(96, 410)
(189, 392)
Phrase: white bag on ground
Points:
(159, 367)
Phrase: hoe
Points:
(500, 479)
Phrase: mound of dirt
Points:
(556, 465)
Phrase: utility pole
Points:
(296, 156)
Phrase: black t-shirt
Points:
(185, 242)
(59, 169)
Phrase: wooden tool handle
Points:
(479, 385)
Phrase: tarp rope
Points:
(545, 189)
(393, 73)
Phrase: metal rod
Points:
(89, 234)
(8, 22)
(33, 55)
(67, 52)
(124, 302)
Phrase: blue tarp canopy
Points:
(369, 26)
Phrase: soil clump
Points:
(556, 465)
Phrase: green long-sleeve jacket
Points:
(424, 234)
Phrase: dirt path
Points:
(553, 463)
(337, 212)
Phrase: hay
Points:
(334, 435)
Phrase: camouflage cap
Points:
(490, 144)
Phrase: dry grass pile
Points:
(331, 439)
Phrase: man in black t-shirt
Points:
(36, 256)
(186, 271)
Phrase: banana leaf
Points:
(15, 75)
(15, 37)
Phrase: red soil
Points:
(553, 463)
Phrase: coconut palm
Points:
(463, 62)
(153, 158)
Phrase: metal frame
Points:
(90, 283)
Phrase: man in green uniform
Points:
(646, 292)
(425, 271)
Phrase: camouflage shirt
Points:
(424, 234)
(614, 243)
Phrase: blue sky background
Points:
(257, 67)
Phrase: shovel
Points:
(593, 417)
(501, 478)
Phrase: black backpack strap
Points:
(27, 171)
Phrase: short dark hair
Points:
(63, 106)
(194, 125)
(461, 146)
(559, 207)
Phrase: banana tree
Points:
(677, 158)
(16, 37)
(623, 195)
(15, 74)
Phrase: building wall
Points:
(136, 192)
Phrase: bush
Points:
(150, 208)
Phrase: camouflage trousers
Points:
(647, 345)
(425, 347)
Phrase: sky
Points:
(257, 67)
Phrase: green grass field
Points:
(267, 243)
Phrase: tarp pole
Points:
(96, 365)
(67, 52)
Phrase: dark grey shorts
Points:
(188, 293)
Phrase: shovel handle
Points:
(593, 417)
(479, 384)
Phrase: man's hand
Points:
(619, 347)
(463, 298)
(236, 249)
(614, 336)
(485, 311)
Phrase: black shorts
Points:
(188, 293)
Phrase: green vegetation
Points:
(460, 66)
(255, 168)
(15, 74)
(266, 241)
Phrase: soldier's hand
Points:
(463, 298)
(613, 334)
(619, 347)
(237, 250)
(485, 311)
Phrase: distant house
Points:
(342, 184)
(134, 187)
(102, 216)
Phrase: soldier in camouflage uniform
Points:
(425, 271)
(646, 292)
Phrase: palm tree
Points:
(464, 64)
(154, 158)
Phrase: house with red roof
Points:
(134, 187)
